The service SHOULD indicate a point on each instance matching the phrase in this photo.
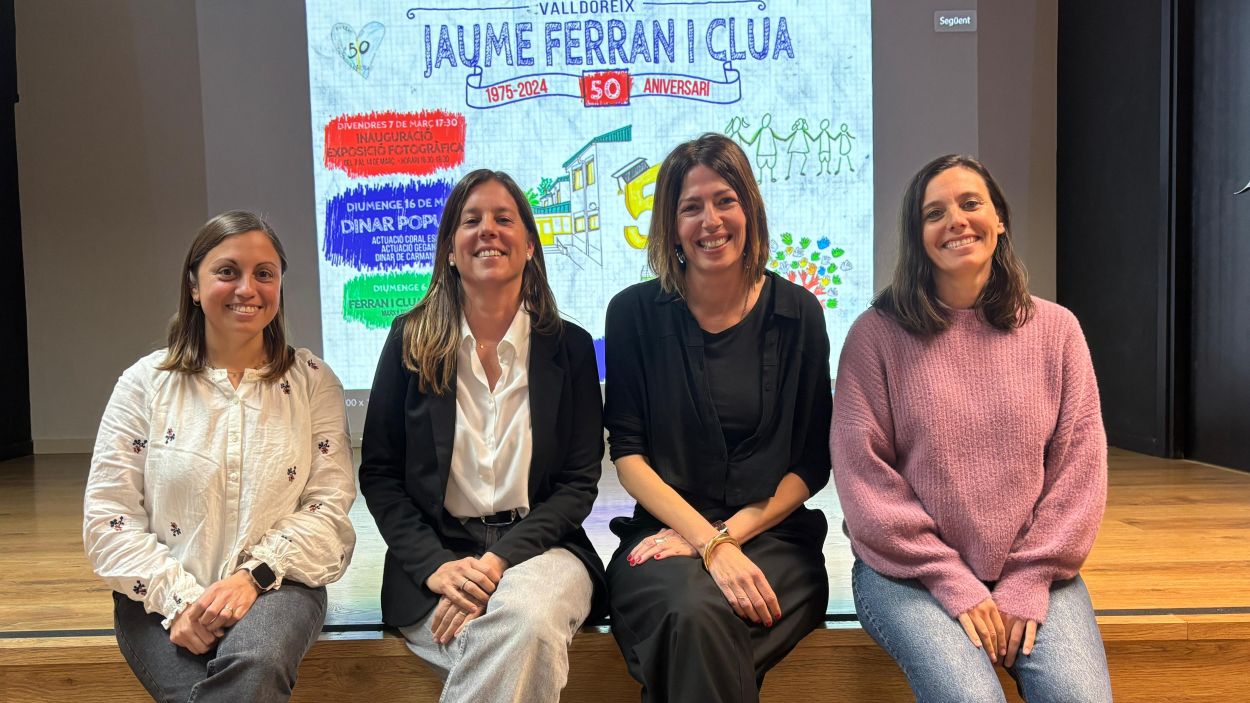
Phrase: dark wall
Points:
(14, 366)
(1153, 242)
(1116, 238)
(1218, 421)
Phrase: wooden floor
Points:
(1169, 577)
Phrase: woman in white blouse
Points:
(481, 458)
(217, 504)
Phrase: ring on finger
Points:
(228, 609)
(466, 583)
(660, 540)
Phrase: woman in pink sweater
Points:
(970, 459)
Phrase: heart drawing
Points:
(358, 48)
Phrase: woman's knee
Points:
(974, 689)
(252, 674)
(690, 616)
(537, 626)
(1075, 681)
(681, 614)
(529, 615)
(266, 663)
(267, 649)
(1068, 662)
(1067, 693)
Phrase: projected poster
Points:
(579, 101)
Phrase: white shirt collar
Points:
(517, 336)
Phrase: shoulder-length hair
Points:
(186, 352)
(726, 158)
(911, 298)
(432, 328)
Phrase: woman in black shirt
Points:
(718, 408)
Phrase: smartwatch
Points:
(262, 576)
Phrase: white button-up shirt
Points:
(192, 478)
(490, 460)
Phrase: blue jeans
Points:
(1067, 665)
(255, 661)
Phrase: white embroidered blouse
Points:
(192, 479)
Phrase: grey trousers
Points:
(518, 649)
(256, 660)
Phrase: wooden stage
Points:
(1169, 575)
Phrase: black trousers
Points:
(680, 637)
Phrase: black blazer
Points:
(406, 459)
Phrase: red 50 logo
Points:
(603, 88)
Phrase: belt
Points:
(500, 519)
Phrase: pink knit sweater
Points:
(975, 455)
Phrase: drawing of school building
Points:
(569, 218)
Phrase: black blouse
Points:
(733, 372)
(659, 404)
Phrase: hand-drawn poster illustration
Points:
(580, 101)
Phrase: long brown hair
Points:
(432, 327)
(726, 158)
(186, 350)
(911, 298)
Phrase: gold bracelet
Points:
(722, 538)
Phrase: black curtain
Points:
(1118, 173)
(1153, 239)
(15, 437)
(1218, 419)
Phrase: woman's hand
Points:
(665, 543)
(466, 582)
(449, 621)
(224, 603)
(495, 562)
(744, 585)
(984, 627)
(1018, 630)
(187, 632)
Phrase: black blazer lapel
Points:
(546, 380)
(443, 423)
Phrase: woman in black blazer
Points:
(481, 457)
